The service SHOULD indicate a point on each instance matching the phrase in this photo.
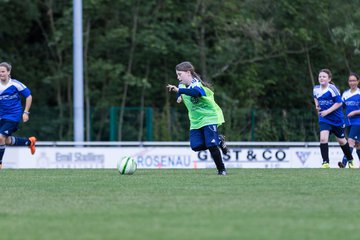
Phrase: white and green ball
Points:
(127, 165)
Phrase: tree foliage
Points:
(259, 54)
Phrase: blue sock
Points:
(344, 160)
(2, 151)
(19, 141)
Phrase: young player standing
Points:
(351, 100)
(12, 112)
(204, 114)
(331, 118)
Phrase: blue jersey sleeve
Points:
(338, 99)
(25, 93)
(193, 92)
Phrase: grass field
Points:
(180, 204)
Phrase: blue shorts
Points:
(354, 132)
(338, 131)
(204, 138)
(7, 128)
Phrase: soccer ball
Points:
(127, 165)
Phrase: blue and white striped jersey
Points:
(352, 103)
(326, 99)
(10, 100)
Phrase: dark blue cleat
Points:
(222, 144)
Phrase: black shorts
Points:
(7, 128)
(338, 131)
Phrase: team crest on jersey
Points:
(194, 100)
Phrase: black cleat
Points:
(341, 165)
(222, 144)
(222, 172)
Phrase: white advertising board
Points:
(167, 157)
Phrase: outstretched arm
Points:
(193, 92)
(172, 88)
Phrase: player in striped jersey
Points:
(204, 114)
(331, 118)
(351, 100)
(12, 112)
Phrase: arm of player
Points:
(173, 88)
(317, 107)
(331, 109)
(26, 112)
(193, 92)
(353, 113)
(179, 99)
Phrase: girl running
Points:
(204, 114)
(331, 118)
(351, 100)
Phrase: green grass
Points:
(180, 204)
